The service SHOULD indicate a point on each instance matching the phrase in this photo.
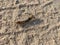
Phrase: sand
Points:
(29, 22)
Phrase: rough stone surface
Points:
(29, 22)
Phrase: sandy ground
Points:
(29, 22)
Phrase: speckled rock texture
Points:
(29, 22)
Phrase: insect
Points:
(31, 17)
